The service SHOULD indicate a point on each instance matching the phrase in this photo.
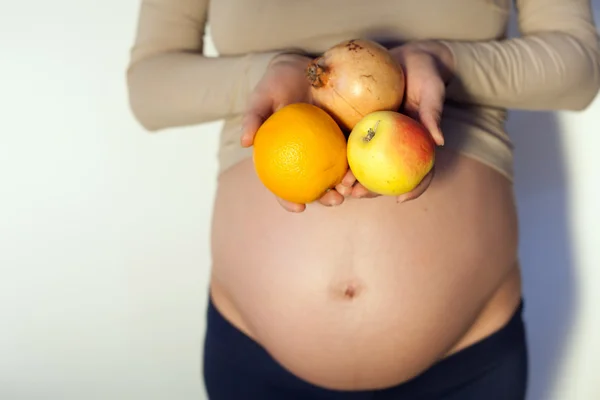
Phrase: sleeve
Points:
(170, 83)
(553, 65)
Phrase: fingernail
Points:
(440, 135)
(344, 190)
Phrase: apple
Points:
(390, 153)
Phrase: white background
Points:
(104, 228)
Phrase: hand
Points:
(283, 83)
(428, 66)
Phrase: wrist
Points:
(441, 53)
(290, 58)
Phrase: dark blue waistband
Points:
(226, 342)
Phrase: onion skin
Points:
(355, 78)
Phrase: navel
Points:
(349, 289)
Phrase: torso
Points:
(314, 25)
(370, 293)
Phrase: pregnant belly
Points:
(370, 293)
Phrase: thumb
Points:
(431, 121)
(259, 110)
(419, 189)
(430, 112)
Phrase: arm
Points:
(170, 82)
(554, 65)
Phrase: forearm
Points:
(178, 88)
(546, 71)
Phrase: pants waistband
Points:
(456, 369)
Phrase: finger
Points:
(419, 190)
(430, 109)
(249, 127)
(344, 190)
(361, 192)
(429, 117)
(260, 109)
(291, 207)
(411, 108)
(345, 187)
(332, 198)
(349, 179)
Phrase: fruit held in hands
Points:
(300, 153)
(390, 153)
(355, 78)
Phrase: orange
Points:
(300, 153)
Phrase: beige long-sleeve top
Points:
(553, 65)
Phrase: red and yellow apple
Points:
(390, 153)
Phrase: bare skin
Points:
(358, 291)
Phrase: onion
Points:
(355, 78)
